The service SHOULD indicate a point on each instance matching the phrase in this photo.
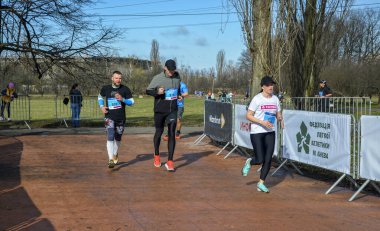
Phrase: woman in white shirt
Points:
(263, 111)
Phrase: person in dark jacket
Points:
(165, 88)
(76, 104)
(323, 93)
(7, 96)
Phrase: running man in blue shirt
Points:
(181, 108)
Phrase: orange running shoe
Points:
(170, 166)
(165, 138)
(178, 136)
(157, 162)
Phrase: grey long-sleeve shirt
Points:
(168, 101)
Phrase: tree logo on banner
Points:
(303, 139)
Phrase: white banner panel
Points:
(242, 127)
(318, 139)
(369, 148)
(242, 131)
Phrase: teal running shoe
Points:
(246, 167)
(262, 188)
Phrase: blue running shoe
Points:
(246, 167)
(262, 188)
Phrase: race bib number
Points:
(171, 94)
(270, 117)
(113, 104)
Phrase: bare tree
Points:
(355, 69)
(309, 20)
(220, 65)
(155, 57)
(49, 33)
(255, 20)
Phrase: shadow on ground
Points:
(17, 210)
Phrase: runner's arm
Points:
(265, 123)
(100, 101)
(129, 102)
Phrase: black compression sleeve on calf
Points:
(171, 142)
(157, 140)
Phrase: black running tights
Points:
(159, 121)
(263, 147)
(6, 105)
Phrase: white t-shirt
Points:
(265, 109)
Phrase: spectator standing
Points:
(323, 93)
(7, 96)
(75, 104)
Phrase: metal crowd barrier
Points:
(27, 108)
(89, 108)
(355, 106)
(20, 110)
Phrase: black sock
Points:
(178, 132)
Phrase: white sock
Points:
(116, 146)
(110, 148)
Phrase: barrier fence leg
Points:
(359, 190)
(353, 181)
(199, 139)
(278, 168)
(65, 123)
(375, 186)
(195, 141)
(27, 125)
(295, 167)
(243, 152)
(335, 184)
(223, 148)
(231, 152)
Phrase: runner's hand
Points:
(104, 110)
(267, 124)
(160, 90)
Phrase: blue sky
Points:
(193, 39)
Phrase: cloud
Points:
(202, 42)
(179, 31)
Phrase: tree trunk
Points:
(310, 46)
(261, 43)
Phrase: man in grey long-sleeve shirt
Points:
(164, 87)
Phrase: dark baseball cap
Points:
(267, 80)
(170, 64)
(323, 81)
